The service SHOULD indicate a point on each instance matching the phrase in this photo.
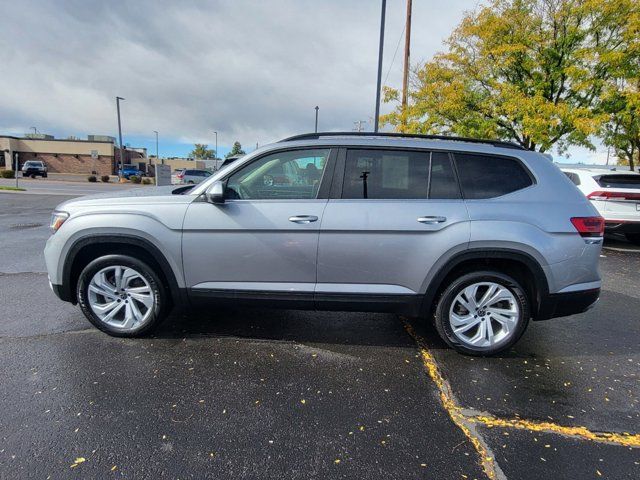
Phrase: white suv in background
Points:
(616, 195)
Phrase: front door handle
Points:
(432, 220)
(303, 218)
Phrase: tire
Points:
(633, 238)
(151, 310)
(33, 176)
(45, 175)
(506, 328)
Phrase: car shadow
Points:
(342, 328)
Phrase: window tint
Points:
(386, 174)
(487, 176)
(443, 182)
(619, 181)
(283, 175)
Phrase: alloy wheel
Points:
(483, 314)
(121, 297)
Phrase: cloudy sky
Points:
(252, 70)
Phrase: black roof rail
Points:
(317, 136)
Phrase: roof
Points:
(408, 136)
(604, 170)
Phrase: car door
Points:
(262, 241)
(392, 215)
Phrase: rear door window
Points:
(386, 174)
(443, 183)
(490, 176)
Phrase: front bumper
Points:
(565, 304)
(62, 292)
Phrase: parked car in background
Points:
(479, 237)
(192, 176)
(34, 168)
(129, 170)
(616, 195)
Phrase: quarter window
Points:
(488, 176)
(284, 175)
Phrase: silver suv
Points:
(481, 236)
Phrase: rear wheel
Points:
(482, 313)
(633, 238)
(122, 296)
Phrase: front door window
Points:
(294, 174)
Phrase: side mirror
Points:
(215, 194)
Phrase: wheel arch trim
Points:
(122, 239)
(496, 253)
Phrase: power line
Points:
(394, 55)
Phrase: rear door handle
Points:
(303, 218)
(431, 220)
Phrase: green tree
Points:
(235, 150)
(531, 71)
(201, 151)
(622, 98)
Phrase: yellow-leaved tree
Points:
(530, 71)
(621, 98)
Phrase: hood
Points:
(169, 193)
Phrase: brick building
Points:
(69, 155)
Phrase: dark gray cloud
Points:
(250, 69)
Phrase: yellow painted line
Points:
(621, 439)
(450, 405)
(456, 413)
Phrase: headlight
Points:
(57, 219)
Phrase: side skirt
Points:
(403, 304)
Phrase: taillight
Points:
(589, 226)
(180, 175)
(599, 195)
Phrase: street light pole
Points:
(317, 108)
(216, 157)
(35, 130)
(157, 155)
(380, 48)
(155, 165)
(120, 137)
(17, 167)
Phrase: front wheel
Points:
(122, 296)
(482, 313)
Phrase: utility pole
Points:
(317, 108)
(35, 130)
(380, 48)
(120, 137)
(359, 125)
(407, 47)
(216, 155)
(156, 163)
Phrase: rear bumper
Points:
(621, 226)
(565, 304)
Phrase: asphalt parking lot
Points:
(238, 393)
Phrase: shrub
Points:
(105, 178)
(92, 178)
(134, 179)
(146, 181)
(7, 173)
